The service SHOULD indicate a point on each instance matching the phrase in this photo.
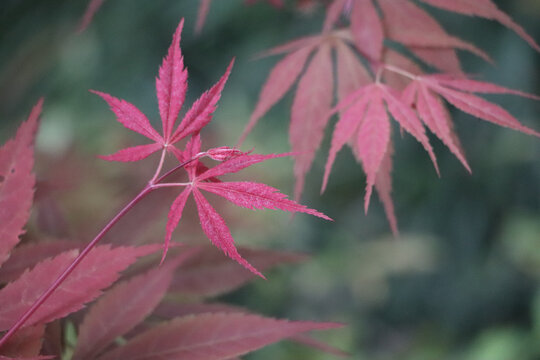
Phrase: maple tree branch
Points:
(60, 279)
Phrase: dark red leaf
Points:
(97, 271)
(17, 182)
(211, 337)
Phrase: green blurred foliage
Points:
(461, 283)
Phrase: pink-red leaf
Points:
(482, 109)
(408, 24)
(202, 110)
(121, 309)
(222, 275)
(443, 59)
(351, 74)
(204, 7)
(333, 12)
(367, 29)
(175, 214)
(217, 231)
(211, 337)
(280, 80)
(345, 129)
(434, 115)
(372, 141)
(96, 272)
(17, 182)
(171, 85)
(383, 185)
(395, 59)
(296, 44)
(134, 153)
(257, 196)
(25, 343)
(236, 164)
(131, 117)
(311, 105)
(469, 85)
(91, 9)
(486, 9)
(404, 115)
(28, 255)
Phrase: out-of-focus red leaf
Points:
(443, 59)
(17, 182)
(88, 16)
(280, 80)
(121, 309)
(476, 106)
(311, 105)
(486, 9)
(171, 310)
(383, 185)
(408, 24)
(222, 276)
(25, 343)
(167, 310)
(334, 10)
(28, 255)
(211, 337)
(351, 74)
(97, 271)
(367, 29)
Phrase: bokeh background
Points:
(461, 283)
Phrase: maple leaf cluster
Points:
(385, 83)
(128, 305)
(171, 87)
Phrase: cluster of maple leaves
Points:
(373, 81)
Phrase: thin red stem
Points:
(73, 265)
(147, 189)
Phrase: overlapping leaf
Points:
(459, 92)
(96, 272)
(486, 9)
(121, 309)
(211, 337)
(17, 183)
(221, 275)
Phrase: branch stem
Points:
(153, 184)
(60, 279)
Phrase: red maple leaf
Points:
(17, 182)
(171, 86)
(211, 336)
(250, 195)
